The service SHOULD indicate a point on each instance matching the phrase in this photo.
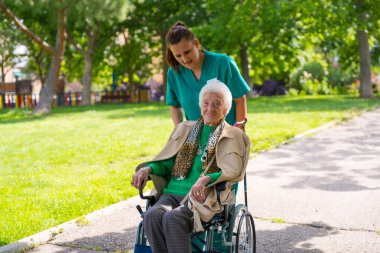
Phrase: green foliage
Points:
(312, 86)
(313, 78)
(279, 36)
(310, 71)
(338, 78)
(131, 58)
(93, 26)
(39, 61)
(268, 28)
(152, 19)
(10, 38)
(82, 221)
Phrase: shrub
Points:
(315, 69)
(293, 92)
(312, 86)
(337, 78)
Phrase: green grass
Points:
(76, 160)
(274, 220)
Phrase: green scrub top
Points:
(183, 88)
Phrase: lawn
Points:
(76, 160)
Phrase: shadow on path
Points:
(293, 238)
(109, 242)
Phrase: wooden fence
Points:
(9, 100)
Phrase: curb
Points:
(45, 236)
(309, 133)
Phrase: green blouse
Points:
(182, 187)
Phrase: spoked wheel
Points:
(242, 231)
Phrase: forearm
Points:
(241, 108)
(176, 113)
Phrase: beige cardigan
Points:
(232, 153)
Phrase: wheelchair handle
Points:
(150, 198)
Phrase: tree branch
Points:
(25, 30)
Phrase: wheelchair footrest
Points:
(142, 249)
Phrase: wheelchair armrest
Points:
(221, 186)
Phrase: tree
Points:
(230, 31)
(55, 52)
(9, 39)
(39, 61)
(154, 18)
(132, 56)
(92, 23)
(263, 34)
(348, 28)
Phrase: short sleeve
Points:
(171, 95)
(235, 81)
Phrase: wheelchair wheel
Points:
(242, 231)
(141, 244)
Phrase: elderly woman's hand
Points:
(141, 177)
(197, 191)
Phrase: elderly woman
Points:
(198, 155)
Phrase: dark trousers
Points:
(167, 225)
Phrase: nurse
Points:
(191, 68)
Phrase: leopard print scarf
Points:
(185, 157)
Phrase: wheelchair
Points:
(232, 230)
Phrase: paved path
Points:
(326, 188)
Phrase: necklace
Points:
(204, 155)
(200, 149)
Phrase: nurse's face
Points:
(186, 52)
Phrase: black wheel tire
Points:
(241, 231)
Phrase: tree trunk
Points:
(4, 65)
(2, 73)
(164, 63)
(40, 74)
(244, 63)
(131, 86)
(365, 58)
(46, 96)
(87, 74)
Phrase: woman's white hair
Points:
(216, 86)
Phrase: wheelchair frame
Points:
(235, 226)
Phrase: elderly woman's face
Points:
(212, 108)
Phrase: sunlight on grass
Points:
(76, 160)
